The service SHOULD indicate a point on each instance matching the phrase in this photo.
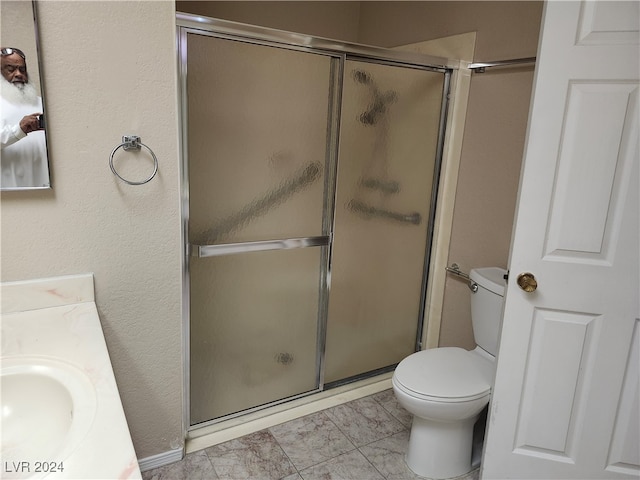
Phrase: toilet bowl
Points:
(446, 389)
(459, 385)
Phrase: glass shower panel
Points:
(253, 329)
(258, 153)
(388, 149)
(257, 141)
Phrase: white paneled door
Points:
(566, 397)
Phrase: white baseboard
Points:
(161, 459)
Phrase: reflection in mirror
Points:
(24, 161)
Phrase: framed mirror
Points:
(24, 160)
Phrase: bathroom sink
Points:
(48, 407)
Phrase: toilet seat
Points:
(447, 374)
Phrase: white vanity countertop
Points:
(57, 320)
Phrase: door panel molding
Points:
(624, 456)
(593, 170)
(559, 362)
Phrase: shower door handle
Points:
(260, 246)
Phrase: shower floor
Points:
(365, 439)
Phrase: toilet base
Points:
(440, 450)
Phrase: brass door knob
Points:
(527, 282)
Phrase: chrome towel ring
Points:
(132, 142)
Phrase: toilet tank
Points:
(486, 306)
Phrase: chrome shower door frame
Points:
(339, 52)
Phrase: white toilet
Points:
(447, 388)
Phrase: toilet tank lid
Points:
(491, 278)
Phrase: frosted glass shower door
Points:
(258, 154)
(389, 145)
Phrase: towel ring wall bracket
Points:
(132, 142)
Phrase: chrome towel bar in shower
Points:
(455, 269)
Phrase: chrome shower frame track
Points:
(340, 52)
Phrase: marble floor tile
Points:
(348, 466)
(295, 476)
(390, 403)
(472, 475)
(310, 440)
(364, 421)
(256, 456)
(195, 466)
(366, 439)
(387, 455)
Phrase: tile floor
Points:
(365, 439)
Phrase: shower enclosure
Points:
(310, 170)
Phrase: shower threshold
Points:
(200, 438)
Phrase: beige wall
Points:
(505, 29)
(338, 20)
(109, 71)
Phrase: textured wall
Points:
(329, 19)
(505, 29)
(109, 70)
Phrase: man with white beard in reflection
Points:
(24, 155)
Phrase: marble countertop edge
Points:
(26, 295)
